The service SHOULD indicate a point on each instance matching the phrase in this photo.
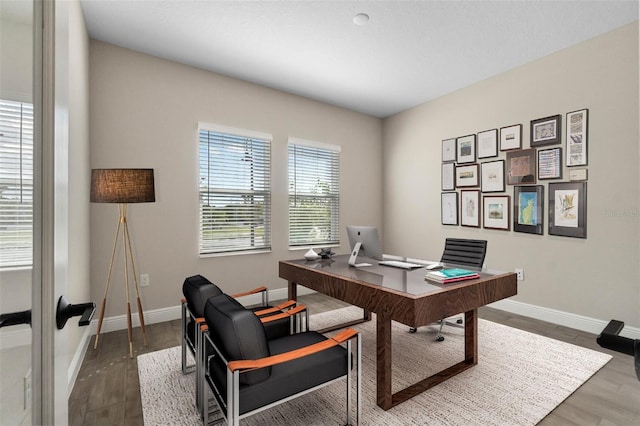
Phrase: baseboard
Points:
(578, 322)
(21, 337)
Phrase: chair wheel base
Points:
(412, 329)
(440, 338)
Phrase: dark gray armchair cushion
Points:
(289, 378)
(197, 290)
(238, 333)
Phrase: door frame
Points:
(43, 296)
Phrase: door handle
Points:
(15, 318)
(66, 310)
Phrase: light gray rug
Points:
(519, 379)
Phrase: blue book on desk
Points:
(451, 275)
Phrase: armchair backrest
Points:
(464, 252)
(238, 333)
(197, 290)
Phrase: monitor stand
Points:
(354, 257)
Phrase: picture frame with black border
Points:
(577, 140)
(492, 176)
(511, 137)
(521, 166)
(487, 143)
(528, 209)
(449, 208)
(496, 212)
(467, 175)
(568, 209)
(448, 150)
(470, 208)
(466, 149)
(448, 177)
(550, 163)
(546, 131)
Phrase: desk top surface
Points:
(388, 277)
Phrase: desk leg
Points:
(471, 337)
(293, 291)
(383, 362)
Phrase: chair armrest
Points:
(246, 293)
(284, 305)
(249, 364)
(291, 312)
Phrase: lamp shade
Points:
(122, 186)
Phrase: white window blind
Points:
(235, 192)
(314, 194)
(16, 184)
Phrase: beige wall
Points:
(145, 112)
(597, 277)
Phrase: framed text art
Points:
(521, 166)
(466, 149)
(511, 137)
(449, 208)
(448, 180)
(528, 205)
(467, 176)
(550, 163)
(577, 137)
(487, 145)
(495, 212)
(448, 150)
(568, 209)
(470, 208)
(492, 176)
(546, 131)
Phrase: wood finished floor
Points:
(107, 390)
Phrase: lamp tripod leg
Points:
(123, 219)
(135, 283)
(106, 287)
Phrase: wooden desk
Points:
(402, 296)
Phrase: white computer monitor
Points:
(364, 241)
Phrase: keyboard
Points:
(400, 264)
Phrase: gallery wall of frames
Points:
(490, 180)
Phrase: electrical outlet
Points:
(520, 273)
(144, 280)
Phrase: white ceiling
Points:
(408, 53)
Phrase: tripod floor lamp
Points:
(123, 186)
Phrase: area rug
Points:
(519, 379)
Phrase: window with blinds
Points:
(16, 184)
(314, 194)
(235, 190)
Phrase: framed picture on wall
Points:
(467, 176)
(495, 212)
(492, 176)
(488, 143)
(448, 178)
(528, 205)
(466, 149)
(546, 131)
(521, 166)
(577, 137)
(550, 163)
(449, 208)
(568, 209)
(470, 208)
(511, 137)
(448, 150)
